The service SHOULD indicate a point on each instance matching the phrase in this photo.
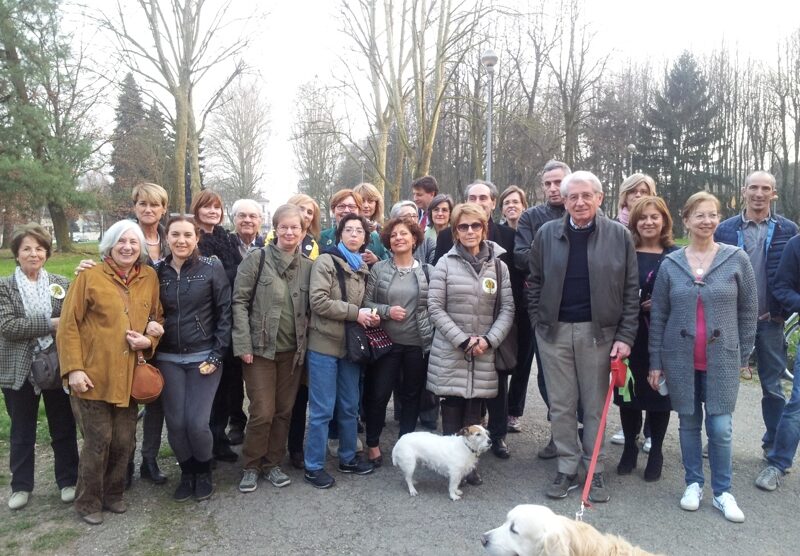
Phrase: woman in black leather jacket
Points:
(196, 297)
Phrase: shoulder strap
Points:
(340, 276)
(426, 271)
(499, 279)
(258, 276)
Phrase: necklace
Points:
(158, 241)
(700, 262)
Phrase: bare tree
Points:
(236, 139)
(183, 47)
(316, 144)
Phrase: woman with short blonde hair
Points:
(634, 187)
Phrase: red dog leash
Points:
(619, 373)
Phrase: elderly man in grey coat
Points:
(584, 306)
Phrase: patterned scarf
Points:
(36, 299)
(126, 277)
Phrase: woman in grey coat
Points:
(702, 329)
(461, 304)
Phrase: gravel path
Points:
(375, 515)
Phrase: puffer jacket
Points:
(256, 331)
(461, 304)
(328, 309)
(197, 307)
(377, 296)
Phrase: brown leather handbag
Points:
(147, 381)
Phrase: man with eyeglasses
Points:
(529, 223)
(247, 220)
(763, 235)
(584, 309)
(423, 190)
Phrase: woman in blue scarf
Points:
(333, 380)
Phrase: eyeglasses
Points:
(409, 216)
(353, 231)
(247, 216)
(474, 226)
(348, 208)
(586, 197)
(702, 216)
(294, 229)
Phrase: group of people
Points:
(466, 303)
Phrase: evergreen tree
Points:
(677, 136)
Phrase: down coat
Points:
(461, 304)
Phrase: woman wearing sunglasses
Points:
(463, 291)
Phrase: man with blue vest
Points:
(763, 235)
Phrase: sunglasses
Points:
(474, 226)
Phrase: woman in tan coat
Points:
(103, 324)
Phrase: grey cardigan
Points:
(730, 303)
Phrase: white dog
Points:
(452, 456)
(532, 530)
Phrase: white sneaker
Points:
(333, 446)
(726, 503)
(18, 500)
(648, 443)
(68, 494)
(691, 497)
(618, 438)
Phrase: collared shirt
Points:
(755, 237)
(576, 227)
(244, 248)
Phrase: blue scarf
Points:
(353, 259)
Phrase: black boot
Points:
(655, 461)
(627, 463)
(204, 486)
(185, 488)
(129, 475)
(149, 470)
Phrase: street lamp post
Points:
(489, 60)
(631, 149)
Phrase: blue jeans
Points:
(332, 384)
(771, 358)
(787, 435)
(719, 429)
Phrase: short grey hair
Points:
(581, 176)
(116, 231)
(555, 165)
(395, 212)
(238, 204)
(761, 174)
(493, 193)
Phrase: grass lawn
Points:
(58, 263)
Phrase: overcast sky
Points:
(300, 39)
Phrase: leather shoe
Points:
(95, 518)
(473, 478)
(116, 507)
(500, 449)
(235, 436)
(149, 470)
(224, 453)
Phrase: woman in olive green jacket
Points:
(270, 318)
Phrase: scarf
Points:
(126, 278)
(353, 259)
(36, 300)
(475, 261)
(624, 215)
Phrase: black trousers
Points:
(22, 407)
(498, 408)
(297, 424)
(229, 400)
(408, 362)
(526, 350)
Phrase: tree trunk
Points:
(177, 195)
(60, 227)
(193, 143)
(8, 228)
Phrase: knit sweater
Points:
(728, 291)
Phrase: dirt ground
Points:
(374, 514)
